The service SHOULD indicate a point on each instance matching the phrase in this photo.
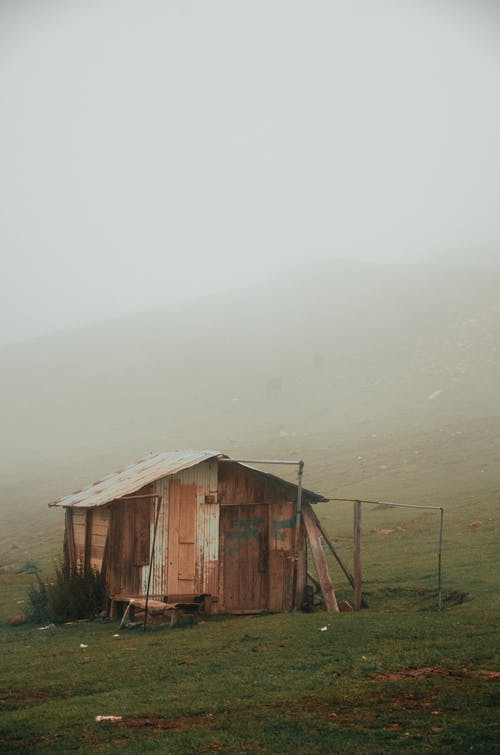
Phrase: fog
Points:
(157, 152)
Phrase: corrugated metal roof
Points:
(134, 477)
(157, 465)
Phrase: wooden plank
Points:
(142, 518)
(330, 544)
(186, 565)
(300, 568)
(88, 538)
(277, 568)
(70, 539)
(101, 520)
(314, 537)
(79, 521)
(245, 557)
(181, 537)
(121, 573)
(239, 486)
(99, 532)
(282, 525)
(125, 616)
(357, 555)
(129, 576)
(187, 513)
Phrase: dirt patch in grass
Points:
(419, 673)
(424, 672)
(409, 702)
(184, 723)
(490, 674)
(19, 696)
(210, 747)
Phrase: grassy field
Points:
(388, 388)
(398, 675)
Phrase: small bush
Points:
(76, 593)
(37, 601)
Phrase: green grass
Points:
(278, 683)
(267, 684)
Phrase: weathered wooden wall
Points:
(257, 542)
(187, 550)
(223, 530)
(85, 535)
(114, 539)
(128, 542)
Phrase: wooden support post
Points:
(330, 544)
(298, 582)
(357, 555)
(314, 537)
(124, 620)
(70, 554)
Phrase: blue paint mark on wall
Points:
(284, 524)
(280, 525)
(242, 534)
(248, 522)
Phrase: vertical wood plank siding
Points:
(79, 526)
(197, 549)
(128, 530)
(206, 530)
(160, 566)
(69, 540)
(206, 525)
(245, 489)
(99, 532)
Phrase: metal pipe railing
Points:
(391, 504)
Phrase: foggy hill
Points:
(349, 365)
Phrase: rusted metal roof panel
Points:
(132, 478)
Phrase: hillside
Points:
(383, 377)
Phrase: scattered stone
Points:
(476, 523)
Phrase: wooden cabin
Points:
(191, 524)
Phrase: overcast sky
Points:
(151, 151)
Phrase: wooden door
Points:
(181, 554)
(244, 534)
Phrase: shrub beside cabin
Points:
(192, 524)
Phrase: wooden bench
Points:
(174, 606)
(155, 608)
